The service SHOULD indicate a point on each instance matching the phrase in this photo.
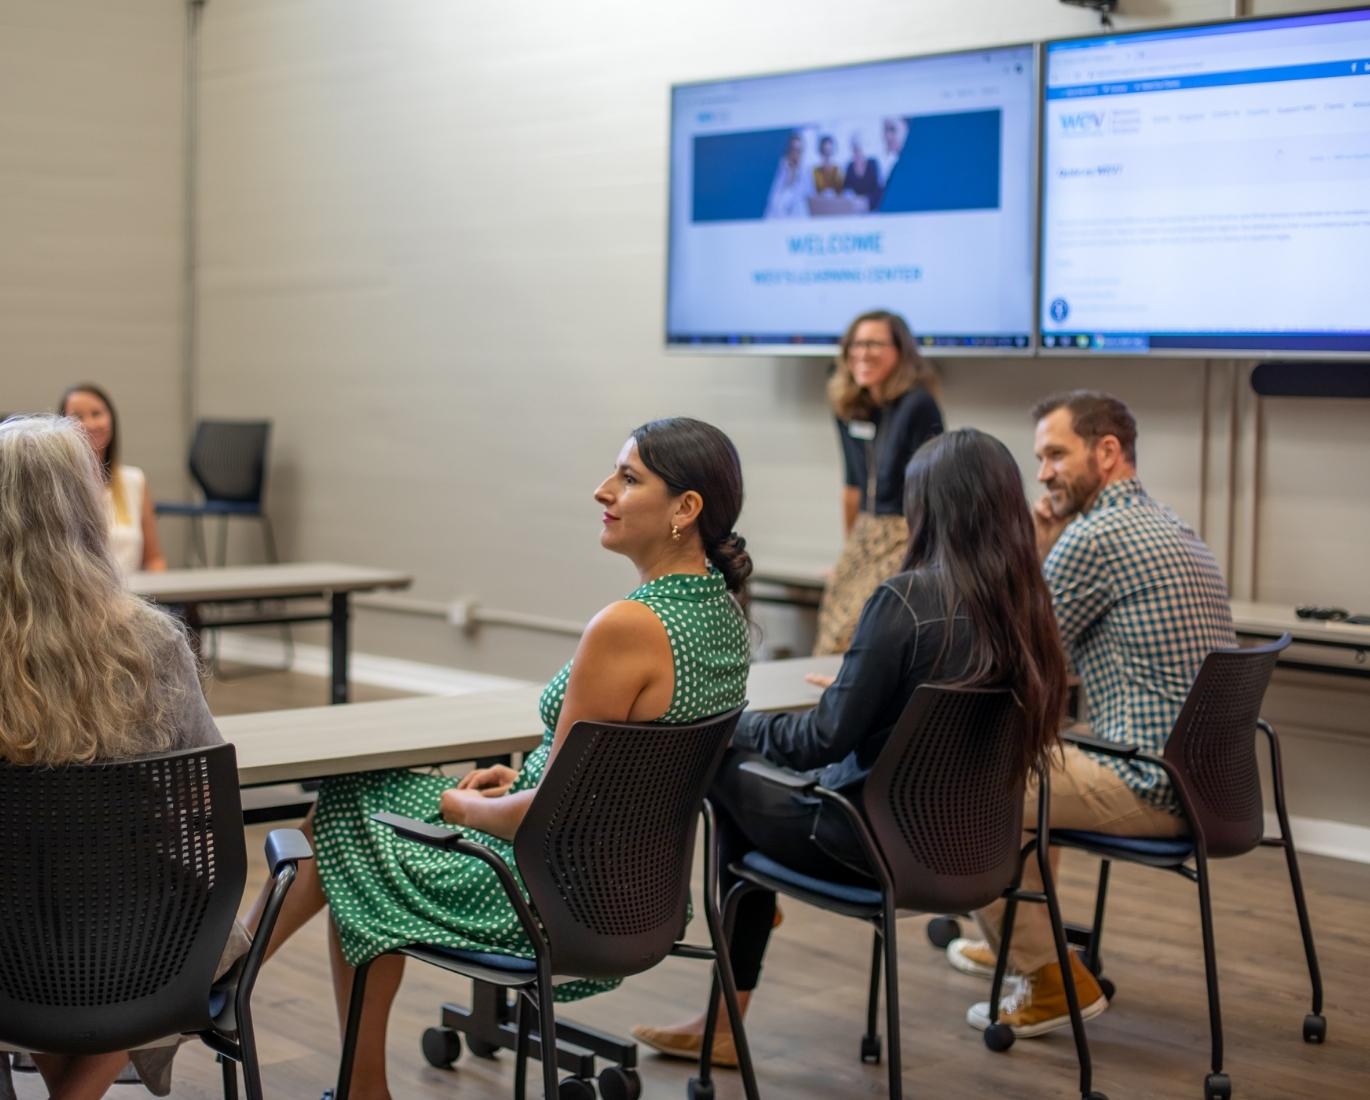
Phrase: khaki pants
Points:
(1085, 794)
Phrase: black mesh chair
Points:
(1210, 759)
(605, 853)
(228, 463)
(119, 883)
(941, 823)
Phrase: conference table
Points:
(292, 746)
(1335, 648)
(227, 589)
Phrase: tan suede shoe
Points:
(1038, 1005)
(682, 1044)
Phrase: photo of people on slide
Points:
(811, 181)
(846, 167)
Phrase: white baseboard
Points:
(363, 668)
(1318, 837)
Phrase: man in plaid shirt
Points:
(1140, 602)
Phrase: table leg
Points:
(339, 620)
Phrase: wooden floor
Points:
(1151, 1045)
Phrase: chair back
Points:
(228, 460)
(607, 845)
(943, 801)
(118, 887)
(1213, 746)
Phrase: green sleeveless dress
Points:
(385, 891)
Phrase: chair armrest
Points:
(792, 781)
(1098, 744)
(437, 836)
(286, 846)
(414, 829)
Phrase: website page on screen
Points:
(1209, 188)
(801, 200)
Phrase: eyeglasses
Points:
(868, 345)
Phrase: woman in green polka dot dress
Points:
(675, 650)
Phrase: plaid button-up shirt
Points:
(1140, 602)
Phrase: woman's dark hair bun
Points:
(730, 558)
(689, 454)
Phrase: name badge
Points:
(861, 429)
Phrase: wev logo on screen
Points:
(1081, 123)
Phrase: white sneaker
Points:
(972, 957)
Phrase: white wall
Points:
(434, 241)
(90, 214)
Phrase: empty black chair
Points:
(1210, 759)
(941, 823)
(119, 883)
(605, 852)
(228, 463)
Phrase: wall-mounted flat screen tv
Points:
(802, 199)
(1206, 189)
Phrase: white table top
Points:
(1251, 618)
(249, 582)
(793, 573)
(285, 746)
(1272, 620)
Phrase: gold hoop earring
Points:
(675, 533)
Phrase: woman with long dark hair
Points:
(675, 650)
(970, 608)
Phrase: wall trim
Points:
(363, 668)
(1317, 837)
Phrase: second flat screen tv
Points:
(1206, 189)
(803, 199)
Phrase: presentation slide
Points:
(801, 200)
(1207, 189)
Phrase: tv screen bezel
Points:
(1198, 352)
(829, 350)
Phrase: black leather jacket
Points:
(896, 647)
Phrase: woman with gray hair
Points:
(89, 671)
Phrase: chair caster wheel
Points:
(1314, 1028)
(942, 930)
(999, 1037)
(575, 1088)
(1106, 984)
(870, 1049)
(617, 1083)
(700, 1090)
(441, 1047)
(1095, 1096)
(1217, 1086)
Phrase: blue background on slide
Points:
(949, 162)
(733, 174)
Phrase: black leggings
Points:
(795, 830)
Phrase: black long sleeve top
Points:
(898, 645)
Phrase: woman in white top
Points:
(132, 529)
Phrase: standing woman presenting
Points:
(882, 395)
(132, 528)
